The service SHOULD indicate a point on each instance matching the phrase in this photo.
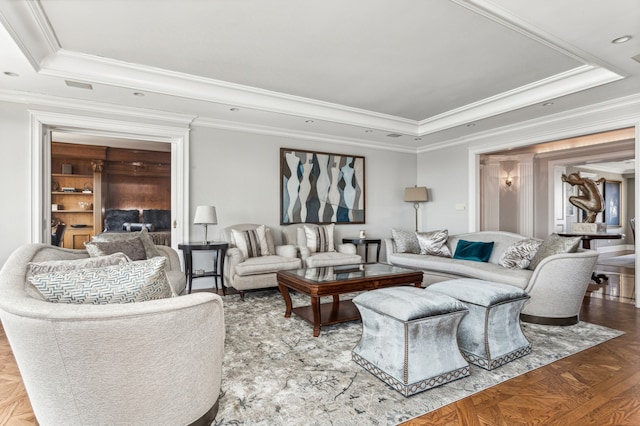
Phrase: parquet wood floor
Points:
(599, 386)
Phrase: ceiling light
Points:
(368, 131)
(78, 85)
(471, 125)
(138, 94)
(308, 121)
(546, 104)
(394, 135)
(11, 74)
(417, 139)
(234, 109)
(621, 40)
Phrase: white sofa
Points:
(154, 362)
(556, 286)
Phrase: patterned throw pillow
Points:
(252, 242)
(519, 254)
(37, 268)
(406, 242)
(434, 243)
(554, 244)
(319, 238)
(132, 247)
(149, 246)
(125, 283)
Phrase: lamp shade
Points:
(205, 215)
(416, 194)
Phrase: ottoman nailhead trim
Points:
(497, 362)
(413, 388)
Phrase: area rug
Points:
(624, 261)
(276, 373)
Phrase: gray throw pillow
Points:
(132, 247)
(125, 283)
(434, 243)
(519, 254)
(406, 242)
(554, 244)
(149, 246)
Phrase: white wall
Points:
(235, 171)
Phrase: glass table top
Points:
(347, 272)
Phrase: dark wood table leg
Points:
(188, 269)
(287, 300)
(315, 308)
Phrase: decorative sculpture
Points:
(591, 199)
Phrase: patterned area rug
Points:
(276, 373)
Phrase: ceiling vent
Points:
(636, 58)
(394, 135)
(78, 85)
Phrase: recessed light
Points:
(417, 139)
(622, 39)
(368, 131)
(308, 121)
(234, 109)
(11, 74)
(546, 104)
(138, 94)
(394, 135)
(471, 125)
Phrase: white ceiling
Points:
(428, 70)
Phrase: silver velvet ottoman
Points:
(490, 336)
(409, 338)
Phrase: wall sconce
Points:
(508, 181)
(205, 215)
(416, 195)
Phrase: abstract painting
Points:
(319, 187)
(612, 202)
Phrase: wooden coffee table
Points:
(334, 281)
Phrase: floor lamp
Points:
(416, 195)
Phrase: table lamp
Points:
(205, 215)
(416, 195)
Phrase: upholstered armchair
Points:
(316, 245)
(253, 259)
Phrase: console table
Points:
(366, 242)
(219, 253)
(586, 244)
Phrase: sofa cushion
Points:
(267, 264)
(406, 242)
(132, 247)
(149, 246)
(519, 254)
(320, 260)
(130, 282)
(554, 244)
(476, 251)
(320, 238)
(434, 243)
(251, 242)
(463, 268)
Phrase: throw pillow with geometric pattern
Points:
(319, 238)
(126, 283)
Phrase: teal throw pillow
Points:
(477, 251)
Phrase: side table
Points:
(219, 253)
(366, 242)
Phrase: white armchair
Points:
(330, 254)
(253, 259)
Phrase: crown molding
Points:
(608, 115)
(310, 136)
(95, 107)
